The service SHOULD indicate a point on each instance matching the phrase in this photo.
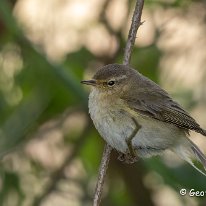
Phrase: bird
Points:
(139, 119)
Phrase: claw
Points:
(127, 158)
(121, 157)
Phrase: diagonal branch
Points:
(102, 174)
(136, 22)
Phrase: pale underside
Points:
(114, 123)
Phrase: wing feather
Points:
(154, 102)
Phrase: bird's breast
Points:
(113, 124)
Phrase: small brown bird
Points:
(138, 118)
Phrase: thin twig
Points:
(102, 174)
(136, 22)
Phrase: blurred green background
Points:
(49, 148)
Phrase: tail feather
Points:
(199, 154)
(188, 151)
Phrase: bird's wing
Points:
(158, 105)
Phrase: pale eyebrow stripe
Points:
(113, 79)
(122, 77)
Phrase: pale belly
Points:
(116, 125)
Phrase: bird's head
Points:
(111, 79)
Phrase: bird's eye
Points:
(111, 83)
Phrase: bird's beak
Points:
(89, 82)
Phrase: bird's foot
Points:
(127, 158)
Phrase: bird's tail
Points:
(189, 152)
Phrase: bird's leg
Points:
(130, 156)
(129, 139)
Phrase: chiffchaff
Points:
(138, 118)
